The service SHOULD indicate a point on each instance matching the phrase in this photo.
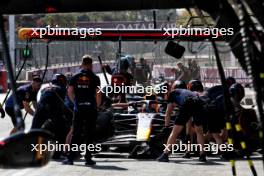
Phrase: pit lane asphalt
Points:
(117, 164)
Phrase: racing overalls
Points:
(190, 105)
(50, 112)
(85, 84)
(24, 93)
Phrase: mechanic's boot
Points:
(67, 162)
(163, 158)
(187, 155)
(89, 162)
(202, 157)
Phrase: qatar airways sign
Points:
(127, 24)
(144, 25)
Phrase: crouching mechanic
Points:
(25, 94)
(83, 90)
(190, 105)
(216, 113)
(50, 110)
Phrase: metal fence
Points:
(70, 52)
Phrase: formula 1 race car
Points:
(138, 130)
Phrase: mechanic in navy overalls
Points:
(50, 107)
(26, 94)
(190, 105)
(83, 90)
(50, 113)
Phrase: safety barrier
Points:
(208, 74)
(63, 69)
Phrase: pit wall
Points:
(208, 74)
